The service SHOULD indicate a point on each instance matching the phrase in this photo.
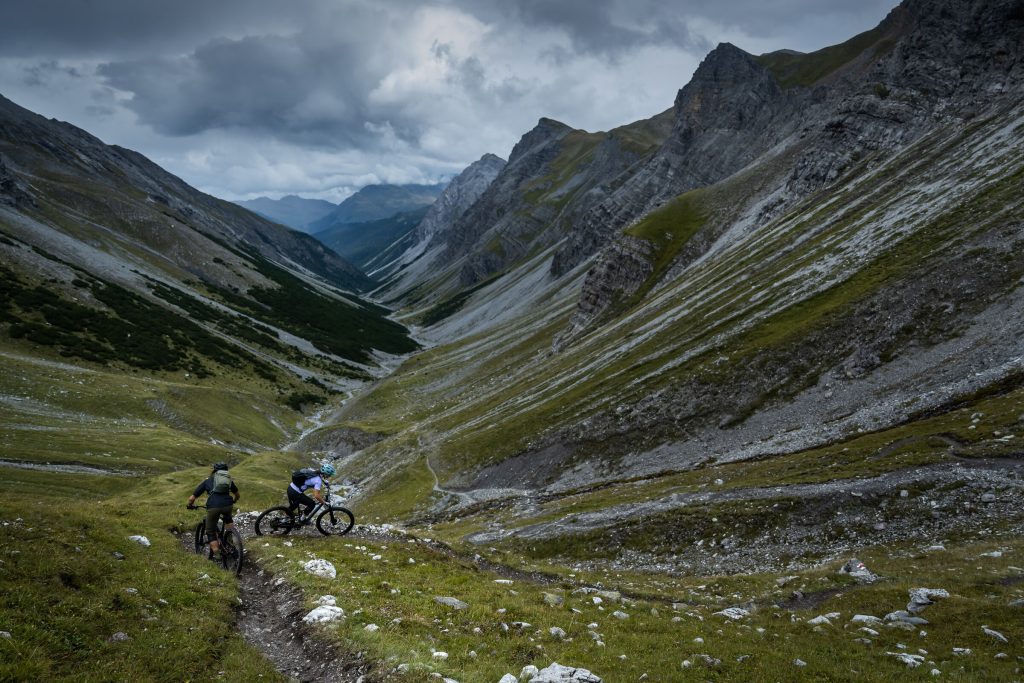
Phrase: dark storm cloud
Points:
(322, 96)
(290, 85)
(608, 27)
(59, 28)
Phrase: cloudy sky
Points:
(243, 98)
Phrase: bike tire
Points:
(232, 551)
(199, 537)
(335, 521)
(277, 521)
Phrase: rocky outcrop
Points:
(12, 191)
(460, 194)
(729, 114)
(924, 65)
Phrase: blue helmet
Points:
(328, 469)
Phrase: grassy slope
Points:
(792, 69)
(465, 405)
(377, 584)
(64, 591)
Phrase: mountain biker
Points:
(308, 479)
(220, 490)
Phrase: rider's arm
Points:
(198, 492)
(316, 491)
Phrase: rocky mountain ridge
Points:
(427, 241)
(817, 260)
(92, 227)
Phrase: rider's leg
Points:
(296, 500)
(212, 514)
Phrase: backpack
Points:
(299, 477)
(221, 482)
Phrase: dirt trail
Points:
(270, 620)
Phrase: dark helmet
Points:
(220, 466)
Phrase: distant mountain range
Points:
(291, 210)
(370, 203)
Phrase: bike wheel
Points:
(199, 537)
(276, 521)
(336, 521)
(232, 553)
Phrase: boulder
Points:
(859, 571)
(557, 673)
(324, 614)
(454, 603)
(922, 597)
(321, 568)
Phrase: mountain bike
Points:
(330, 519)
(232, 551)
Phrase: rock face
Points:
(553, 175)
(460, 194)
(804, 120)
(429, 235)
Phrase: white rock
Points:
(865, 619)
(440, 655)
(620, 615)
(819, 620)
(557, 632)
(799, 662)
(372, 628)
(936, 672)
(912, 661)
(508, 678)
(141, 540)
(935, 548)
(454, 603)
(734, 613)
(327, 600)
(324, 614)
(994, 634)
(961, 651)
(597, 600)
(922, 597)
(321, 568)
(994, 553)
(556, 673)
(504, 582)
(528, 672)
(5, 635)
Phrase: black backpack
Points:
(299, 477)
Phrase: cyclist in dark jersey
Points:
(297, 496)
(217, 505)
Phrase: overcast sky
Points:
(243, 98)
